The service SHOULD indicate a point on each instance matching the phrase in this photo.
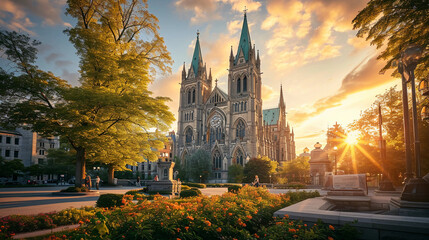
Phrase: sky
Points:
(307, 46)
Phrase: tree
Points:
(198, 164)
(393, 133)
(263, 167)
(106, 119)
(296, 170)
(235, 173)
(10, 168)
(394, 25)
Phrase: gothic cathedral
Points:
(232, 127)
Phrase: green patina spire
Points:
(198, 57)
(245, 43)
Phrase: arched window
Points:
(189, 97)
(245, 106)
(193, 96)
(241, 130)
(238, 85)
(217, 161)
(192, 115)
(239, 158)
(245, 84)
(242, 106)
(188, 134)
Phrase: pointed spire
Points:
(197, 59)
(210, 74)
(282, 101)
(184, 71)
(245, 43)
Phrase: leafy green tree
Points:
(394, 25)
(10, 168)
(296, 170)
(106, 119)
(198, 164)
(235, 173)
(263, 167)
(180, 168)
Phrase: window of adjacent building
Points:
(239, 157)
(16, 141)
(7, 153)
(15, 154)
(1, 139)
(52, 145)
(8, 139)
(142, 166)
(42, 144)
(188, 135)
(189, 97)
(241, 130)
(238, 85)
(41, 152)
(149, 166)
(0, 152)
(193, 96)
(217, 161)
(245, 84)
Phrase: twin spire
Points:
(197, 59)
(245, 43)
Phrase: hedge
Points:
(110, 200)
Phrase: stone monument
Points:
(165, 181)
(319, 165)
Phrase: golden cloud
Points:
(267, 92)
(203, 10)
(239, 5)
(363, 77)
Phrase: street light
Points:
(424, 90)
(200, 178)
(416, 189)
(335, 159)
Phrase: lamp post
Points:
(424, 90)
(386, 184)
(200, 178)
(416, 189)
(335, 160)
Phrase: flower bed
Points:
(14, 224)
(246, 214)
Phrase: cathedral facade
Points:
(231, 126)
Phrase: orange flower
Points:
(190, 218)
(219, 229)
(230, 214)
(286, 216)
(295, 236)
(279, 223)
(331, 227)
(178, 239)
(330, 238)
(291, 230)
(208, 223)
(178, 229)
(186, 228)
(256, 235)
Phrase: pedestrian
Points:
(97, 182)
(256, 181)
(88, 182)
(156, 179)
(138, 182)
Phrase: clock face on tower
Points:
(216, 121)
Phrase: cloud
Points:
(363, 77)
(72, 78)
(312, 135)
(267, 93)
(51, 57)
(15, 15)
(240, 5)
(234, 26)
(358, 43)
(305, 31)
(63, 63)
(203, 10)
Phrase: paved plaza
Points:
(34, 200)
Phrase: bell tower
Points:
(244, 89)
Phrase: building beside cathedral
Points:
(231, 126)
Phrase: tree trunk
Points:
(110, 174)
(80, 167)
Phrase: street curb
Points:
(45, 232)
(72, 194)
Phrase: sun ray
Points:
(354, 162)
(364, 152)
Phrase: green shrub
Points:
(185, 187)
(197, 185)
(190, 193)
(109, 200)
(75, 189)
(234, 188)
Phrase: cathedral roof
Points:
(271, 116)
(198, 57)
(245, 43)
